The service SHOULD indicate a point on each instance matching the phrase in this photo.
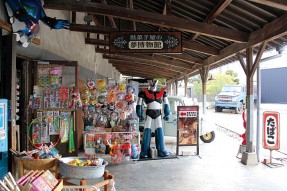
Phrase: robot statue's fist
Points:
(57, 23)
(166, 117)
(141, 118)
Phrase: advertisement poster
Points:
(187, 126)
(271, 131)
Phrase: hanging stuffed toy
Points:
(75, 97)
(122, 88)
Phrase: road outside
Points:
(234, 122)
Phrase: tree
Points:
(213, 87)
(233, 75)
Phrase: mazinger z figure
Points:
(25, 15)
(153, 100)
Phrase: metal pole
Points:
(259, 117)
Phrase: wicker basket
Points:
(26, 163)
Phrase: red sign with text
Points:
(271, 131)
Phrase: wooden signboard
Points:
(145, 42)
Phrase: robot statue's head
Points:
(152, 84)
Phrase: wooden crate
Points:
(24, 163)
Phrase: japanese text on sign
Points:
(271, 130)
(188, 114)
(145, 37)
(271, 133)
(145, 45)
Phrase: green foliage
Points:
(233, 75)
(213, 87)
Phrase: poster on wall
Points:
(271, 131)
(187, 126)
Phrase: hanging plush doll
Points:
(111, 99)
(75, 99)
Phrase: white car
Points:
(170, 126)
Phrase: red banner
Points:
(271, 133)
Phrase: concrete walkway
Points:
(217, 168)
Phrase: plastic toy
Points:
(134, 151)
(93, 100)
(126, 149)
(129, 109)
(120, 96)
(25, 15)
(91, 84)
(129, 98)
(153, 100)
(116, 154)
(101, 83)
(121, 88)
(85, 99)
(120, 106)
(75, 96)
(112, 89)
(113, 119)
(130, 89)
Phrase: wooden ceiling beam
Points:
(159, 67)
(199, 48)
(184, 57)
(142, 73)
(6, 26)
(217, 11)
(213, 14)
(91, 28)
(270, 31)
(186, 45)
(279, 4)
(144, 61)
(138, 74)
(166, 10)
(145, 68)
(131, 6)
(96, 20)
(162, 74)
(150, 18)
(102, 50)
(149, 59)
(111, 19)
(161, 60)
(98, 42)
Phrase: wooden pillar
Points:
(249, 100)
(185, 85)
(249, 68)
(203, 74)
(176, 87)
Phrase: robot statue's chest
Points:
(149, 100)
(153, 96)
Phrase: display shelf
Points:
(120, 145)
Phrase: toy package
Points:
(110, 127)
